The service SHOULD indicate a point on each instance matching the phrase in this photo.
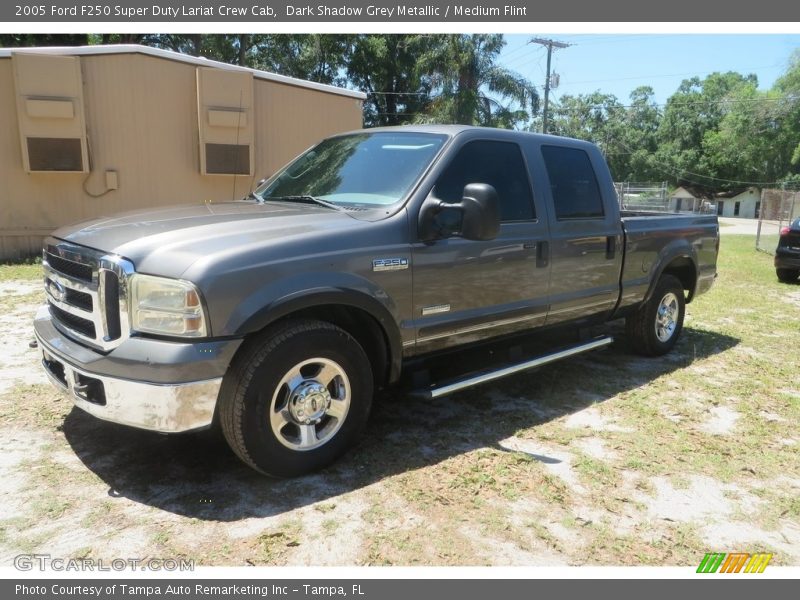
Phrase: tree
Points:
(694, 111)
(640, 136)
(788, 86)
(315, 57)
(17, 40)
(385, 67)
(193, 44)
(627, 135)
(462, 70)
(745, 147)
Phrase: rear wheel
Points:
(654, 329)
(296, 398)
(787, 275)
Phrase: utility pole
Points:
(549, 44)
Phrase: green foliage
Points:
(714, 134)
(385, 67)
(626, 134)
(463, 71)
(16, 40)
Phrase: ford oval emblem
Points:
(57, 291)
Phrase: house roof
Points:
(730, 194)
(177, 56)
(682, 192)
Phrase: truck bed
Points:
(651, 237)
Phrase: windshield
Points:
(364, 170)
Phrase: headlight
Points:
(166, 307)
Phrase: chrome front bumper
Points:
(166, 408)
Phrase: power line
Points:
(524, 60)
(680, 174)
(397, 93)
(549, 44)
(514, 51)
(591, 39)
(790, 98)
(773, 66)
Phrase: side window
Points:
(500, 165)
(576, 194)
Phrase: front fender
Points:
(281, 298)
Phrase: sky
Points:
(618, 63)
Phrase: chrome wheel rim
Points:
(667, 317)
(310, 404)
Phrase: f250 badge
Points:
(389, 264)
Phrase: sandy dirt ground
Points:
(602, 459)
(731, 225)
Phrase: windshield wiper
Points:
(253, 196)
(304, 198)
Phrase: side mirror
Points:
(481, 208)
(480, 214)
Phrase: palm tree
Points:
(463, 69)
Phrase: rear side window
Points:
(576, 194)
(500, 165)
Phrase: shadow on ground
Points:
(196, 475)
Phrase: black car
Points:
(787, 254)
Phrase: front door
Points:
(467, 290)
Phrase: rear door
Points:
(466, 290)
(585, 235)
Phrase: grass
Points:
(273, 546)
(595, 472)
(33, 404)
(29, 270)
(50, 505)
(9, 300)
(733, 356)
(438, 485)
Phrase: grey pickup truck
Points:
(277, 317)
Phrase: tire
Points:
(655, 328)
(296, 398)
(787, 275)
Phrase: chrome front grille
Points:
(87, 293)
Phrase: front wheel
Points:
(787, 275)
(654, 329)
(296, 398)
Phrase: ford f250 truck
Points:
(279, 315)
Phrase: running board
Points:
(446, 388)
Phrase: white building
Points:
(745, 205)
(682, 200)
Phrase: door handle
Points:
(542, 254)
(611, 247)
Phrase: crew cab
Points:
(277, 316)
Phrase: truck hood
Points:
(167, 241)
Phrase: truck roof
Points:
(452, 130)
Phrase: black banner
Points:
(390, 589)
(399, 11)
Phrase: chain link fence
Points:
(648, 196)
(778, 208)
